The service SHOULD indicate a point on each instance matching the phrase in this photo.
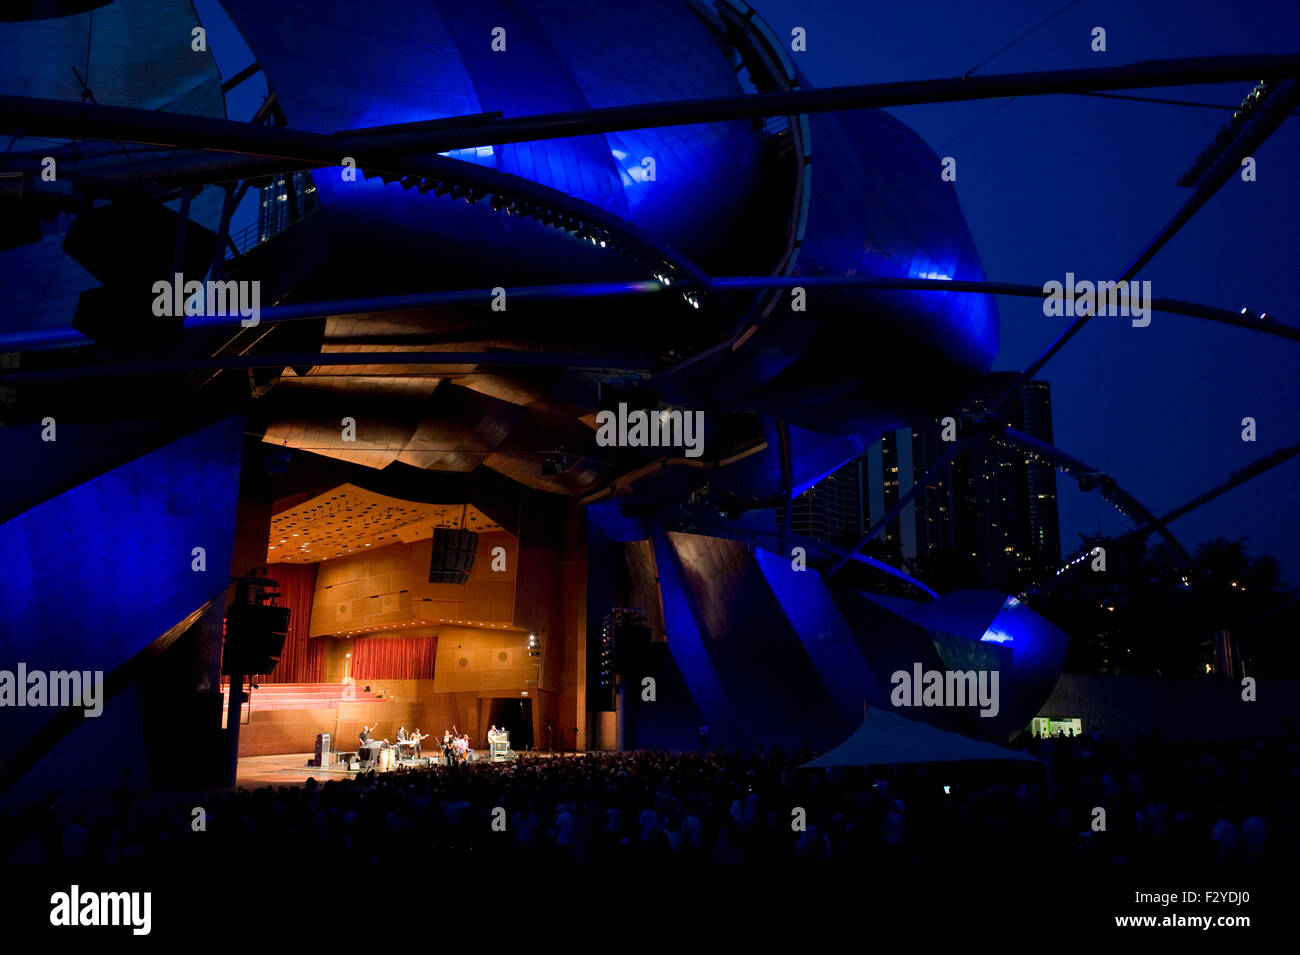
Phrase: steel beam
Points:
(63, 119)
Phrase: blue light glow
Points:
(996, 636)
(96, 574)
(822, 629)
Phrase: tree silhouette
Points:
(1148, 613)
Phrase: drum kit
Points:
(382, 755)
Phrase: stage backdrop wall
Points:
(393, 658)
(389, 587)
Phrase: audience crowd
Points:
(1089, 802)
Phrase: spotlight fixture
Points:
(1264, 102)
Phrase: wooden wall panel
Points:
(336, 650)
(390, 586)
(551, 600)
(284, 731)
(470, 660)
(412, 703)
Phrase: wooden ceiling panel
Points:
(348, 519)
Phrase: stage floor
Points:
(289, 769)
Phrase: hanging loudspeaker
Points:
(453, 555)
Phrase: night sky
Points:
(1072, 183)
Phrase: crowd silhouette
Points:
(1091, 802)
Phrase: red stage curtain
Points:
(393, 658)
(302, 660)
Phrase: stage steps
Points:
(302, 696)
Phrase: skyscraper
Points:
(1040, 478)
(993, 511)
(833, 509)
(891, 536)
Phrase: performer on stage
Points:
(498, 741)
(370, 747)
(403, 743)
(416, 736)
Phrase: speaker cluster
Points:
(453, 555)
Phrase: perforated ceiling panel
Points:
(348, 519)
